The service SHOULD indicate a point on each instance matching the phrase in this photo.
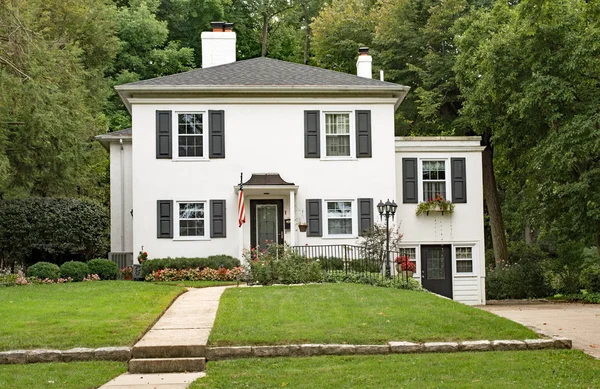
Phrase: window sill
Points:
(190, 160)
(340, 237)
(465, 275)
(339, 159)
(190, 238)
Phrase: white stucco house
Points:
(314, 146)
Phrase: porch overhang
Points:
(267, 184)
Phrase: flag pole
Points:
(241, 230)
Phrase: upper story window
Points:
(339, 217)
(191, 135)
(191, 219)
(337, 135)
(434, 179)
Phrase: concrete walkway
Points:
(579, 322)
(182, 331)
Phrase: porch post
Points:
(292, 218)
(241, 241)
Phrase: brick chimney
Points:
(363, 64)
(218, 45)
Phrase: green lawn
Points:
(82, 314)
(73, 375)
(515, 369)
(350, 313)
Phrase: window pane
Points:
(337, 145)
(411, 252)
(339, 209)
(337, 123)
(464, 253)
(339, 226)
(430, 189)
(191, 228)
(191, 210)
(191, 130)
(463, 266)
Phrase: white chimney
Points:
(363, 64)
(218, 45)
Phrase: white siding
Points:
(466, 290)
(121, 199)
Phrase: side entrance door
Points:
(266, 222)
(436, 269)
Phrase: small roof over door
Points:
(267, 183)
(267, 179)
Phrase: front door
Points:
(266, 222)
(436, 269)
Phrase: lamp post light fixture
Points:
(387, 209)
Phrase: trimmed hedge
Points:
(213, 262)
(52, 230)
(104, 268)
(74, 269)
(43, 270)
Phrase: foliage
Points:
(126, 271)
(103, 268)
(374, 241)
(213, 262)
(44, 270)
(566, 268)
(591, 278)
(374, 280)
(405, 263)
(278, 264)
(53, 229)
(74, 269)
(589, 298)
(438, 203)
(521, 280)
(197, 274)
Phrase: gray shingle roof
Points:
(261, 72)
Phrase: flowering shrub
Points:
(126, 271)
(278, 264)
(438, 203)
(405, 263)
(197, 274)
(92, 277)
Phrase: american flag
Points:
(241, 208)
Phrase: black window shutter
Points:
(313, 212)
(409, 181)
(312, 136)
(459, 180)
(365, 215)
(164, 135)
(363, 134)
(217, 219)
(164, 218)
(216, 133)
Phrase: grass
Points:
(515, 369)
(82, 314)
(73, 375)
(196, 284)
(349, 313)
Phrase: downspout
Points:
(122, 196)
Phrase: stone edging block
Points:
(405, 347)
(508, 345)
(76, 354)
(475, 345)
(440, 347)
(219, 353)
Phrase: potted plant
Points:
(301, 223)
(436, 204)
(405, 265)
(127, 273)
(142, 256)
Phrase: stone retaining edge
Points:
(120, 354)
(123, 354)
(303, 350)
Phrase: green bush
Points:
(213, 262)
(591, 278)
(355, 278)
(104, 268)
(44, 270)
(76, 270)
(52, 230)
(521, 280)
(280, 265)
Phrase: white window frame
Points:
(326, 233)
(447, 180)
(352, 134)
(206, 235)
(455, 259)
(416, 273)
(176, 135)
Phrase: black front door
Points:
(436, 269)
(266, 222)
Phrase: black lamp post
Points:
(388, 209)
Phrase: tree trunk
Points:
(490, 193)
(265, 33)
(597, 238)
(307, 36)
(528, 233)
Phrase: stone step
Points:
(168, 351)
(166, 365)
